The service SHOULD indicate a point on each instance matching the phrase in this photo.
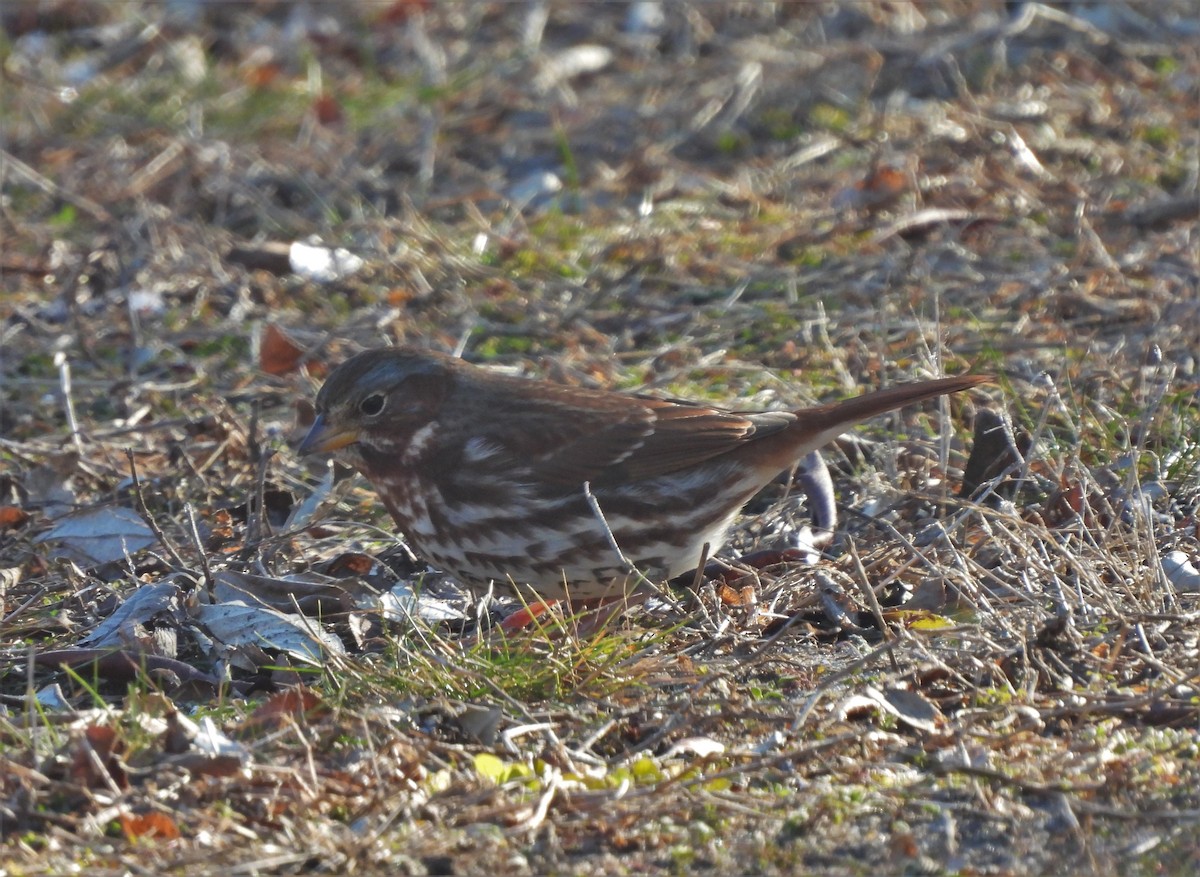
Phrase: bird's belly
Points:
(561, 543)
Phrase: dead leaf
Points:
(95, 758)
(52, 698)
(313, 594)
(906, 706)
(153, 824)
(293, 705)
(322, 264)
(995, 449)
(1181, 572)
(100, 535)
(12, 517)
(201, 748)
(278, 354)
(237, 625)
(403, 603)
(146, 602)
(121, 665)
(741, 597)
(481, 722)
(49, 485)
(913, 709)
(179, 734)
(302, 513)
(327, 110)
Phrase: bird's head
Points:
(377, 401)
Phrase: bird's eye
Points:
(372, 404)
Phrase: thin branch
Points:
(144, 512)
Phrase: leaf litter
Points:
(764, 205)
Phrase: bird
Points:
(563, 493)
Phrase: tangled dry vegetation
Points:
(213, 656)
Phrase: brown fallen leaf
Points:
(278, 354)
(297, 704)
(95, 758)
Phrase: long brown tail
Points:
(820, 424)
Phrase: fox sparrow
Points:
(493, 477)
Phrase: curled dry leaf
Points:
(1181, 572)
(201, 748)
(313, 594)
(302, 513)
(403, 603)
(96, 758)
(144, 604)
(703, 747)
(481, 722)
(909, 707)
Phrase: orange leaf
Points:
(11, 516)
(153, 824)
(737, 596)
(885, 180)
(262, 75)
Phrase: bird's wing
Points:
(568, 436)
(686, 434)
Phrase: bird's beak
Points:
(322, 438)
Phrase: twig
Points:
(1022, 785)
(535, 820)
(257, 524)
(144, 511)
(194, 531)
(832, 679)
(64, 382)
(47, 185)
(594, 504)
(864, 585)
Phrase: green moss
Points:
(1160, 136)
(830, 118)
(1064, 248)
(730, 142)
(780, 124)
(1166, 65)
(808, 257)
(500, 345)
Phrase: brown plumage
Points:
(492, 477)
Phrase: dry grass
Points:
(762, 204)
